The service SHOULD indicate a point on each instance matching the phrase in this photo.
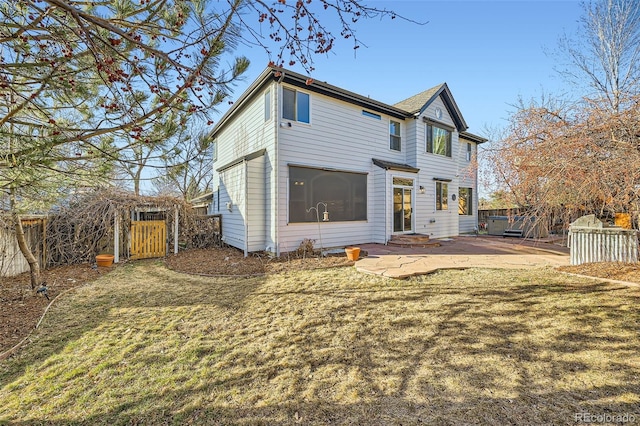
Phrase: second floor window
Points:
(438, 140)
(267, 105)
(469, 152)
(295, 106)
(394, 136)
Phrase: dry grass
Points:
(146, 345)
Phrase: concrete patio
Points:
(461, 253)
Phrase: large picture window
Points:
(465, 200)
(438, 140)
(442, 193)
(345, 194)
(295, 106)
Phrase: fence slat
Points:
(148, 239)
(603, 245)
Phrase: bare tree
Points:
(187, 166)
(561, 158)
(606, 54)
(565, 160)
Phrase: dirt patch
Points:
(23, 307)
(613, 270)
(230, 261)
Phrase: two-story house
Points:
(296, 158)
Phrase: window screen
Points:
(345, 194)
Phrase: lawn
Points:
(146, 345)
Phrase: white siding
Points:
(436, 223)
(380, 202)
(339, 137)
(232, 205)
(245, 134)
(468, 179)
(256, 204)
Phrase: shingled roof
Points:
(411, 107)
(416, 104)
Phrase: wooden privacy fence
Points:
(591, 241)
(12, 262)
(148, 239)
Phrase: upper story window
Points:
(371, 115)
(469, 151)
(438, 140)
(394, 136)
(267, 105)
(295, 105)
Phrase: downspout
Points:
(386, 207)
(476, 196)
(276, 149)
(246, 208)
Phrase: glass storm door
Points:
(402, 212)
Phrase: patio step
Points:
(412, 240)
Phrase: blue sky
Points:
(488, 52)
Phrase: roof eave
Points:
(473, 138)
(257, 85)
(335, 92)
(299, 80)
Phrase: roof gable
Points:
(417, 104)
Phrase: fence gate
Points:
(148, 239)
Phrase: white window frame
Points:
(397, 135)
(444, 201)
(296, 111)
(469, 201)
(267, 105)
(448, 149)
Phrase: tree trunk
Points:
(34, 267)
(136, 182)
